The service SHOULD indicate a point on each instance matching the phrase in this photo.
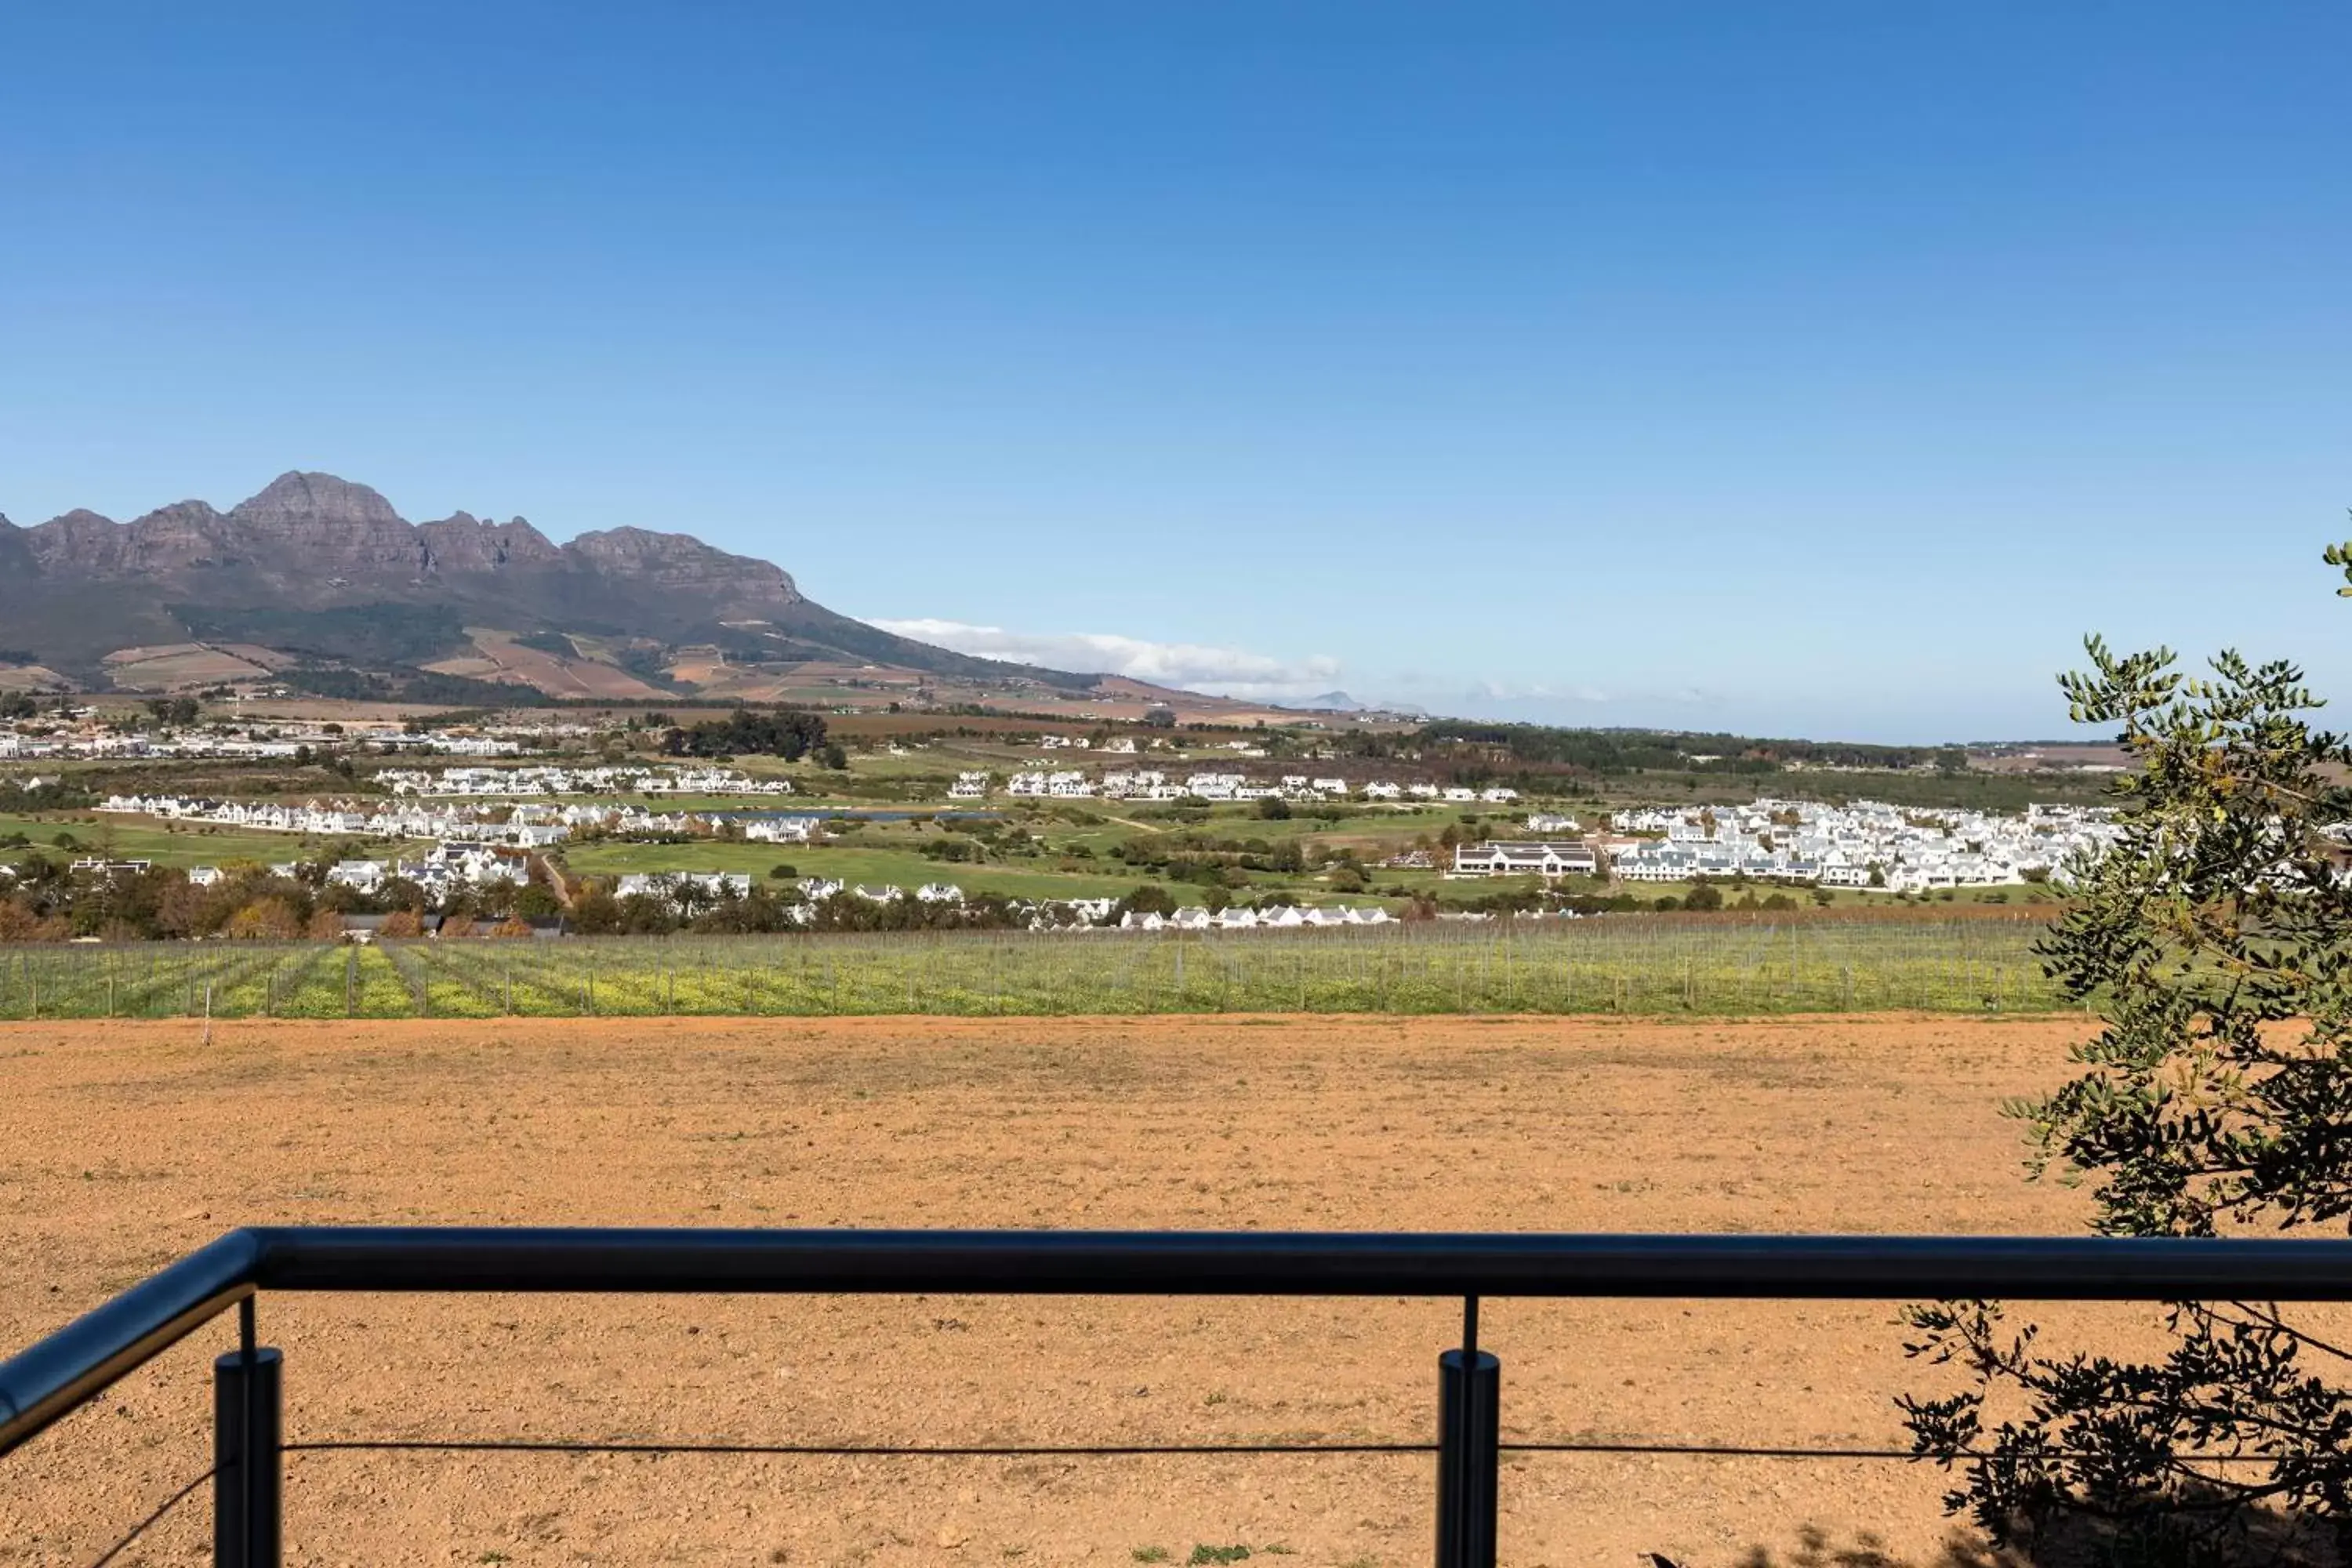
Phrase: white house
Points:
(1548, 858)
(781, 829)
(1215, 787)
(362, 877)
(669, 886)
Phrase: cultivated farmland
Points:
(1627, 965)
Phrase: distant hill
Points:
(322, 572)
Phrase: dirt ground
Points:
(122, 1146)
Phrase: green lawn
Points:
(871, 864)
(147, 838)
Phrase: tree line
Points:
(748, 732)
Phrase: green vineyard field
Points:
(1638, 966)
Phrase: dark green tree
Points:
(2216, 938)
(745, 732)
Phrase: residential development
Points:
(1866, 844)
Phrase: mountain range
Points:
(319, 574)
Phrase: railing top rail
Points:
(1277, 1263)
(79, 1361)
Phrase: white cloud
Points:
(1221, 672)
(1538, 691)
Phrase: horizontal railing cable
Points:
(841, 1450)
(1125, 1451)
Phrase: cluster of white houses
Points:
(1866, 844)
(542, 780)
(134, 743)
(529, 824)
(442, 871)
(519, 825)
(686, 890)
(1242, 917)
(255, 742)
(1155, 783)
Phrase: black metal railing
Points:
(61, 1373)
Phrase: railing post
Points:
(247, 1428)
(1469, 1439)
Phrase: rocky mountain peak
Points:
(297, 498)
(463, 542)
(80, 518)
(681, 561)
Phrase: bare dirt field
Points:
(498, 657)
(179, 665)
(122, 1146)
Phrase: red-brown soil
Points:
(122, 1146)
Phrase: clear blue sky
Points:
(1825, 368)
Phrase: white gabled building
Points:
(362, 877)
(1068, 785)
(669, 886)
(1548, 858)
(782, 829)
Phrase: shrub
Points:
(264, 919)
(2215, 936)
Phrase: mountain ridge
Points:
(325, 568)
